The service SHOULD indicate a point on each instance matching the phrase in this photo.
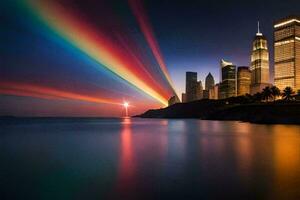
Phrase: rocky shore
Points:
(279, 112)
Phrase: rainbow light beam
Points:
(29, 90)
(92, 43)
(142, 19)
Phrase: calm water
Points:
(148, 159)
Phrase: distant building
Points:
(173, 100)
(199, 91)
(183, 98)
(191, 86)
(259, 63)
(228, 80)
(214, 92)
(243, 81)
(205, 94)
(287, 53)
(209, 82)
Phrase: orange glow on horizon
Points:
(42, 92)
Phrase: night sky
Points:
(85, 58)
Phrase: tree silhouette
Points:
(257, 96)
(275, 92)
(267, 93)
(288, 93)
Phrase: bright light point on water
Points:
(125, 104)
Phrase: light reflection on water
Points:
(149, 159)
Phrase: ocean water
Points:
(147, 159)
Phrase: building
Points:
(183, 98)
(209, 82)
(191, 86)
(173, 100)
(205, 94)
(287, 53)
(228, 80)
(214, 92)
(259, 63)
(199, 90)
(243, 81)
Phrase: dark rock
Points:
(269, 113)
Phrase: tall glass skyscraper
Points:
(191, 86)
(259, 63)
(287, 53)
(228, 80)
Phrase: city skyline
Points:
(58, 67)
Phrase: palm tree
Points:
(275, 92)
(288, 93)
(266, 93)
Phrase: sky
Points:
(85, 58)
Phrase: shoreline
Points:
(278, 112)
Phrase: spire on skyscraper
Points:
(258, 31)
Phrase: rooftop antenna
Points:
(258, 31)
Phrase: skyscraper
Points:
(209, 82)
(199, 90)
(243, 81)
(228, 80)
(191, 86)
(214, 92)
(287, 53)
(259, 63)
